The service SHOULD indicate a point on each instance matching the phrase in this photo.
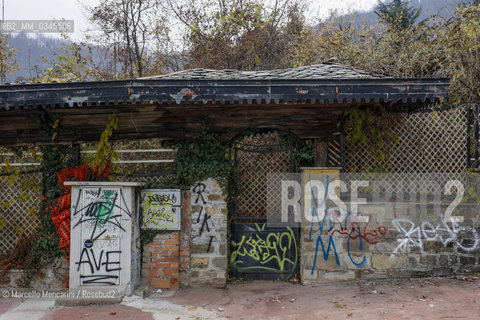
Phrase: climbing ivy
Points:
(43, 247)
(371, 128)
(204, 157)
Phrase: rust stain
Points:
(302, 91)
(187, 92)
(129, 91)
(336, 90)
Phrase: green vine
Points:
(205, 157)
(43, 247)
(370, 128)
(105, 154)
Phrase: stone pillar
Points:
(184, 260)
(208, 237)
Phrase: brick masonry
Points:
(160, 267)
(197, 254)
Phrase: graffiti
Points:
(204, 224)
(199, 189)
(413, 236)
(265, 250)
(161, 209)
(101, 213)
(99, 267)
(339, 221)
(209, 244)
(357, 229)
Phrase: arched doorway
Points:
(261, 247)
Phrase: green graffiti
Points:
(269, 251)
(108, 193)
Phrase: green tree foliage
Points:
(397, 13)
(437, 48)
(8, 64)
(72, 63)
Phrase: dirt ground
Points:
(419, 298)
(432, 298)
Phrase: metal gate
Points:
(259, 250)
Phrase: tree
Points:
(397, 13)
(8, 64)
(462, 44)
(129, 28)
(71, 63)
(239, 34)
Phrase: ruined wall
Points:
(392, 238)
(197, 254)
(208, 237)
(166, 259)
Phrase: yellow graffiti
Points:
(159, 214)
(276, 246)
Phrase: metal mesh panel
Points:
(153, 179)
(19, 205)
(254, 164)
(427, 142)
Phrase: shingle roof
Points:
(314, 72)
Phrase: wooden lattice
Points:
(428, 142)
(19, 207)
(257, 156)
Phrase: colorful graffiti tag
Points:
(267, 249)
(161, 209)
(339, 221)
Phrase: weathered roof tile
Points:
(314, 72)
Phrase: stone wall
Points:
(208, 237)
(391, 239)
(53, 276)
(197, 254)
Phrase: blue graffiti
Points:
(321, 225)
(331, 244)
(360, 247)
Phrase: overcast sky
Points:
(72, 10)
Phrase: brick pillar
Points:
(161, 261)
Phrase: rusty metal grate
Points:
(263, 154)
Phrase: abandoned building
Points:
(206, 233)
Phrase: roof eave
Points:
(202, 91)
